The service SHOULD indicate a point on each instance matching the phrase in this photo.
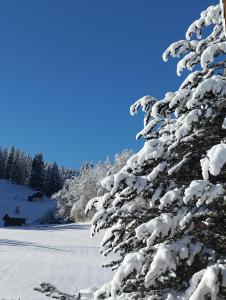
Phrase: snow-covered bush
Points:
(76, 193)
(85, 187)
(165, 210)
(120, 160)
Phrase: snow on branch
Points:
(145, 103)
(196, 51)
(164, 226)
(214, 162)
(168, 257)
(132, 262)
(211, 52)
(216, 85)
(206, 282)
(202, 191)
(212, 15)
(178, 48)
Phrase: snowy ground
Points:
(63, 255)
(13, 195)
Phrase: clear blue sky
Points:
(70, 69)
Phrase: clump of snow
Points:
(169, 198)
(154, 173)
(187, 123)
(152, 149)
(112, 182)
(163, 226)
(179, 165)
(206, 283)
(145, 103)
(209, 54)
(155, 196)
(215, 85)
(176, 49)
(167, 258)
(132, 262)
(111, 233)
(179, 96)
(224, 124)
(214, 162)
(147, 128)
(202, 191)
(188, 61)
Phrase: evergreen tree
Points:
(54, 181)
(21, 168)
(27, 166)
(2, 164)
(17, 169)
(86, 166)
(48, 169)
(9, 163)
(5, 155)
(165, 210)
(121, 160)
(66, 173)
(17, 166)
(65, 199)
(36, 180)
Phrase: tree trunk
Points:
(224, 11)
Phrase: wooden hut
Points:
(9, 221)
(38, 196)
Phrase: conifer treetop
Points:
(165, 210)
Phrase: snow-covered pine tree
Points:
(21, 167)
(9, 163)
(17, 169)
(65, 200)
(165, 210)
(36, 180)
(121, 160)
(48, 169)
(66, 173)
(5, 155)
(76, 193)
(54, 181)
(2, 163)
(27, 166)
(87, 186)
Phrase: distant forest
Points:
(19, 167)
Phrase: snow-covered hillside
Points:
(63, 255)
(14, 195)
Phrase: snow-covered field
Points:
(63, 255)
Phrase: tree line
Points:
(21, 168)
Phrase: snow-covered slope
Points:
(63, 255)
(13, 195)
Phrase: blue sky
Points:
(69, 71)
